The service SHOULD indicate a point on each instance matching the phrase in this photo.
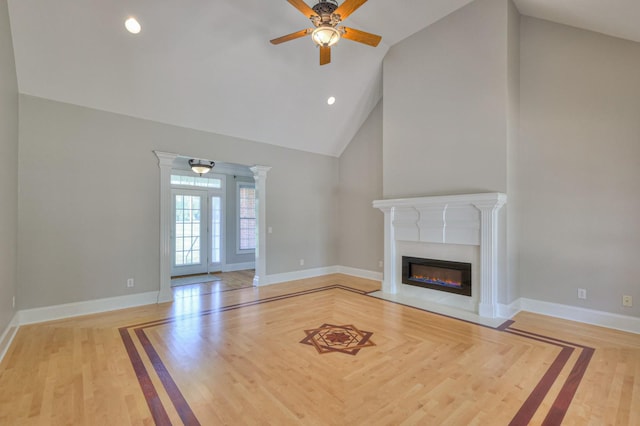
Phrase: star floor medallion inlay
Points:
(338, 338)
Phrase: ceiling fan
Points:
(325, 17)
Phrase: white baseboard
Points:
(508, 311)
(231, 267)
(67, 310)
(7, 336)
(316, 272)
(575, 313)
(299, 275)
(360, 273)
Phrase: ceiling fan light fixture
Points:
(325, 16)
(201, 166)
(325, 36)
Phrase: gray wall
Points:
(511, 211)
(579, 166)
(8, 169)
(451, 110)
(89, 201)
(445, 106)
(361, 237)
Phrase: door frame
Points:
(165, 164)
(217, 266)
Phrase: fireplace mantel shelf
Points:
(470, 219)
(465, 199)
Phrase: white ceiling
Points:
(208, 65)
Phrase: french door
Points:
(196, 231)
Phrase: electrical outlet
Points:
(130, 283)
(380, 264)
(13, 302)
(582, 293)
(301, 262)
(269, 230)
(627, 301)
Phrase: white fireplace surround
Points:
(471, 219)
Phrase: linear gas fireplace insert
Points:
(443, 275)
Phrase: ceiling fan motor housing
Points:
(325, 16)
(325, 7)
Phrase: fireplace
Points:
(443, 275)
(468, 228)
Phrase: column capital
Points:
(259, 171)
(491, 204)
(165, 158)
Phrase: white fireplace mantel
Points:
(470, 219)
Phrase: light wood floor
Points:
(235, 357)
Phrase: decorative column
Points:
(389, 274)
(165, 162)
(260, 177)
(488, 304)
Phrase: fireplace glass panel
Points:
(443, 275)
(437, 276)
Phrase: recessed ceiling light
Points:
(132, 25)
(331, 100)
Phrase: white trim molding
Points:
(510, 310)
(360, 273)
(260, 178)
(318, 272)
(165, 163)
(579, 314)
(8, 334)
(68, 310)
(230, 267)
(299, 275)
(489, 240)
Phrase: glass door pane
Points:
(189, 232)
(216, 230)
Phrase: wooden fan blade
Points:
(303, 7)
(361, 36)
(325, 55)
(348, 7)
(291, 36)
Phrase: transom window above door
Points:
(196, 181)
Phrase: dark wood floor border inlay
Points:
(532, 403)
(565, 396)
(563, 400)
(524, 415)
(158, 412)
(180, 404)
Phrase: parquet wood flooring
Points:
(235, 357)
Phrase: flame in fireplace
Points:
(437, 281)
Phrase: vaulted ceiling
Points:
(208, 64)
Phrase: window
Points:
(199, 181)
(246, 216)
